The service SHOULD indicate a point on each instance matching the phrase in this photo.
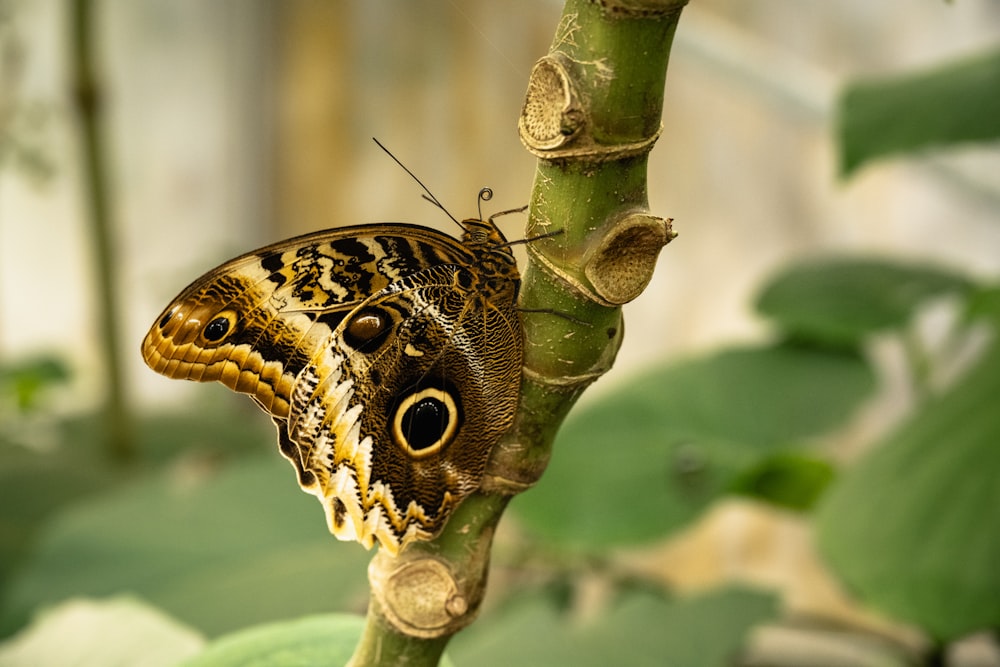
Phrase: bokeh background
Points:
(232, 123)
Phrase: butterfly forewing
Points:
(388, 356)
(283, 301)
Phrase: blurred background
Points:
(233, 123)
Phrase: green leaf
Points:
(33, 487)
(958, 102)
(912, 528)
(641, 629)
(218, 549)
(787, 479)
(305, 642)
(984, 303)
(27, 380)
(839, 301)
(35, 484)
(649, 457)
(101, 633)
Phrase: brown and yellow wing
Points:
(253, 322)
(388, 355)
(393, 421)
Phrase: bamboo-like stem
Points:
(86, 92)
(592, 114)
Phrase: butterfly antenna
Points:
(429, 196)
(485, 194)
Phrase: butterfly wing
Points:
(388, 356)
(393, 421)
(253, 322)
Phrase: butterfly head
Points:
(482, 234)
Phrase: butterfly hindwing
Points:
(401, 410)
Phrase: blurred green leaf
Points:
(913, 527)
(839, 301)
(958, 102)
(315, 640)
(37, 484)
(33, 486)
(26, 380)
(650, 456)
(305, 642)
(218, 549)
(641, 629)
(787, 479)
(101, 633)
(984, 303)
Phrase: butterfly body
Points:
(388, 356)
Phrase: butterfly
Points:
(387, 355)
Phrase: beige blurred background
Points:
(233, 123)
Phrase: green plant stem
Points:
(617, 53)
(86, 92)
(381, 644)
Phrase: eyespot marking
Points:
(219, 327)
(426, 421)
(367, 329)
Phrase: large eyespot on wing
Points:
(424, 421)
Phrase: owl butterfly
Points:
(388, 356)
